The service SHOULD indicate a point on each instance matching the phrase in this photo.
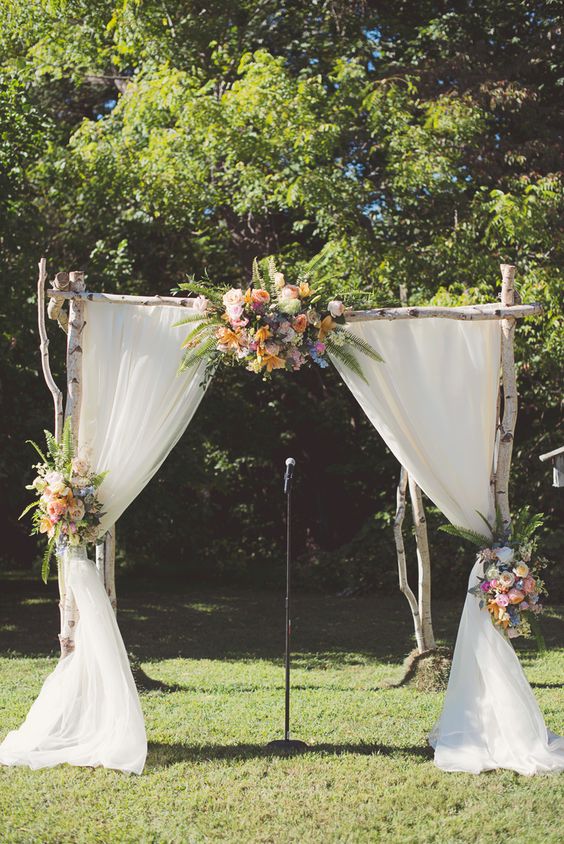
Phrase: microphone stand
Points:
(288, 745)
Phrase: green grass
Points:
(218, 699)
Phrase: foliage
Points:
(406, 144)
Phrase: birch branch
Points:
(507, 425)
(423, 564)
(44, 350)
(402, 564)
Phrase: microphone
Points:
(289, 474)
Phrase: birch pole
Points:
(72, 412)
(402, 563)
(509, 418)
(44, 350)
(106, 564)
(423, 565)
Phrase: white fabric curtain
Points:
(433, 401)
(134, 409)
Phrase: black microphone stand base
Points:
(288, 746)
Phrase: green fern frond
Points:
(272, 269)
(256, 276)
(68, 448)
(46, 562)
(345, 356)
(190, 318)
(38, 450)
(52, 444)
(26, 510)
(194, 356)
(470, 535)
(214, 294)
(359, 344)
(199, 332)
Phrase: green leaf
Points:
(28, 508)
(194, 356)
(38, 450)
(359, 344)
(470, 535)
(46, 563)
(256, 277)
(345, 356)
(190, 318)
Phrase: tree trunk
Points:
(402, 566)
(423, 564)
(69, 610)
(507, 425)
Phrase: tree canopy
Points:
(413, 144)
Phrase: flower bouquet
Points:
(67, 508)
(270, 325)
(509, 587)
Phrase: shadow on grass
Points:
(231, 625)
(165, 755)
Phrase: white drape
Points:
(134, 409)
(88, 710)
(433, 401)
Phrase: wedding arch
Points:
(439, 404)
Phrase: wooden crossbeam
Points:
(488, 311)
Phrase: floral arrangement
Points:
(270, 325)
(67, 509)
(510, 587)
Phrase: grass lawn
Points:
(218, 699)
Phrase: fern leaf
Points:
(360, 344)
(207, 328)
(194, 356)
(68, 449)
(38, 450)
(272, 269)
(52, 444)
(46, 562)
(29, 507)
(190, 318)
(470, 535)
(214, 294)
(345, 356)
(256, 277)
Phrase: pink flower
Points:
(529, 584)
(320, 348)
(502, 600)
(524, 605)
(515, 596)
(336, 308)
(485, 586)
(494, 583)
(290, 291)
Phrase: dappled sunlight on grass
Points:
(215, 698)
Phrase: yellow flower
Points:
(262, 335)
(327, 325)
(273, 362)
(305, 290)
(44, 524)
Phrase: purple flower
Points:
(485, 586)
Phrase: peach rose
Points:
(260, 297)
(76, 510)
(515, 596)
(300, 323)
(529, 584)
(290, 291)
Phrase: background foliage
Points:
(413, 143)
